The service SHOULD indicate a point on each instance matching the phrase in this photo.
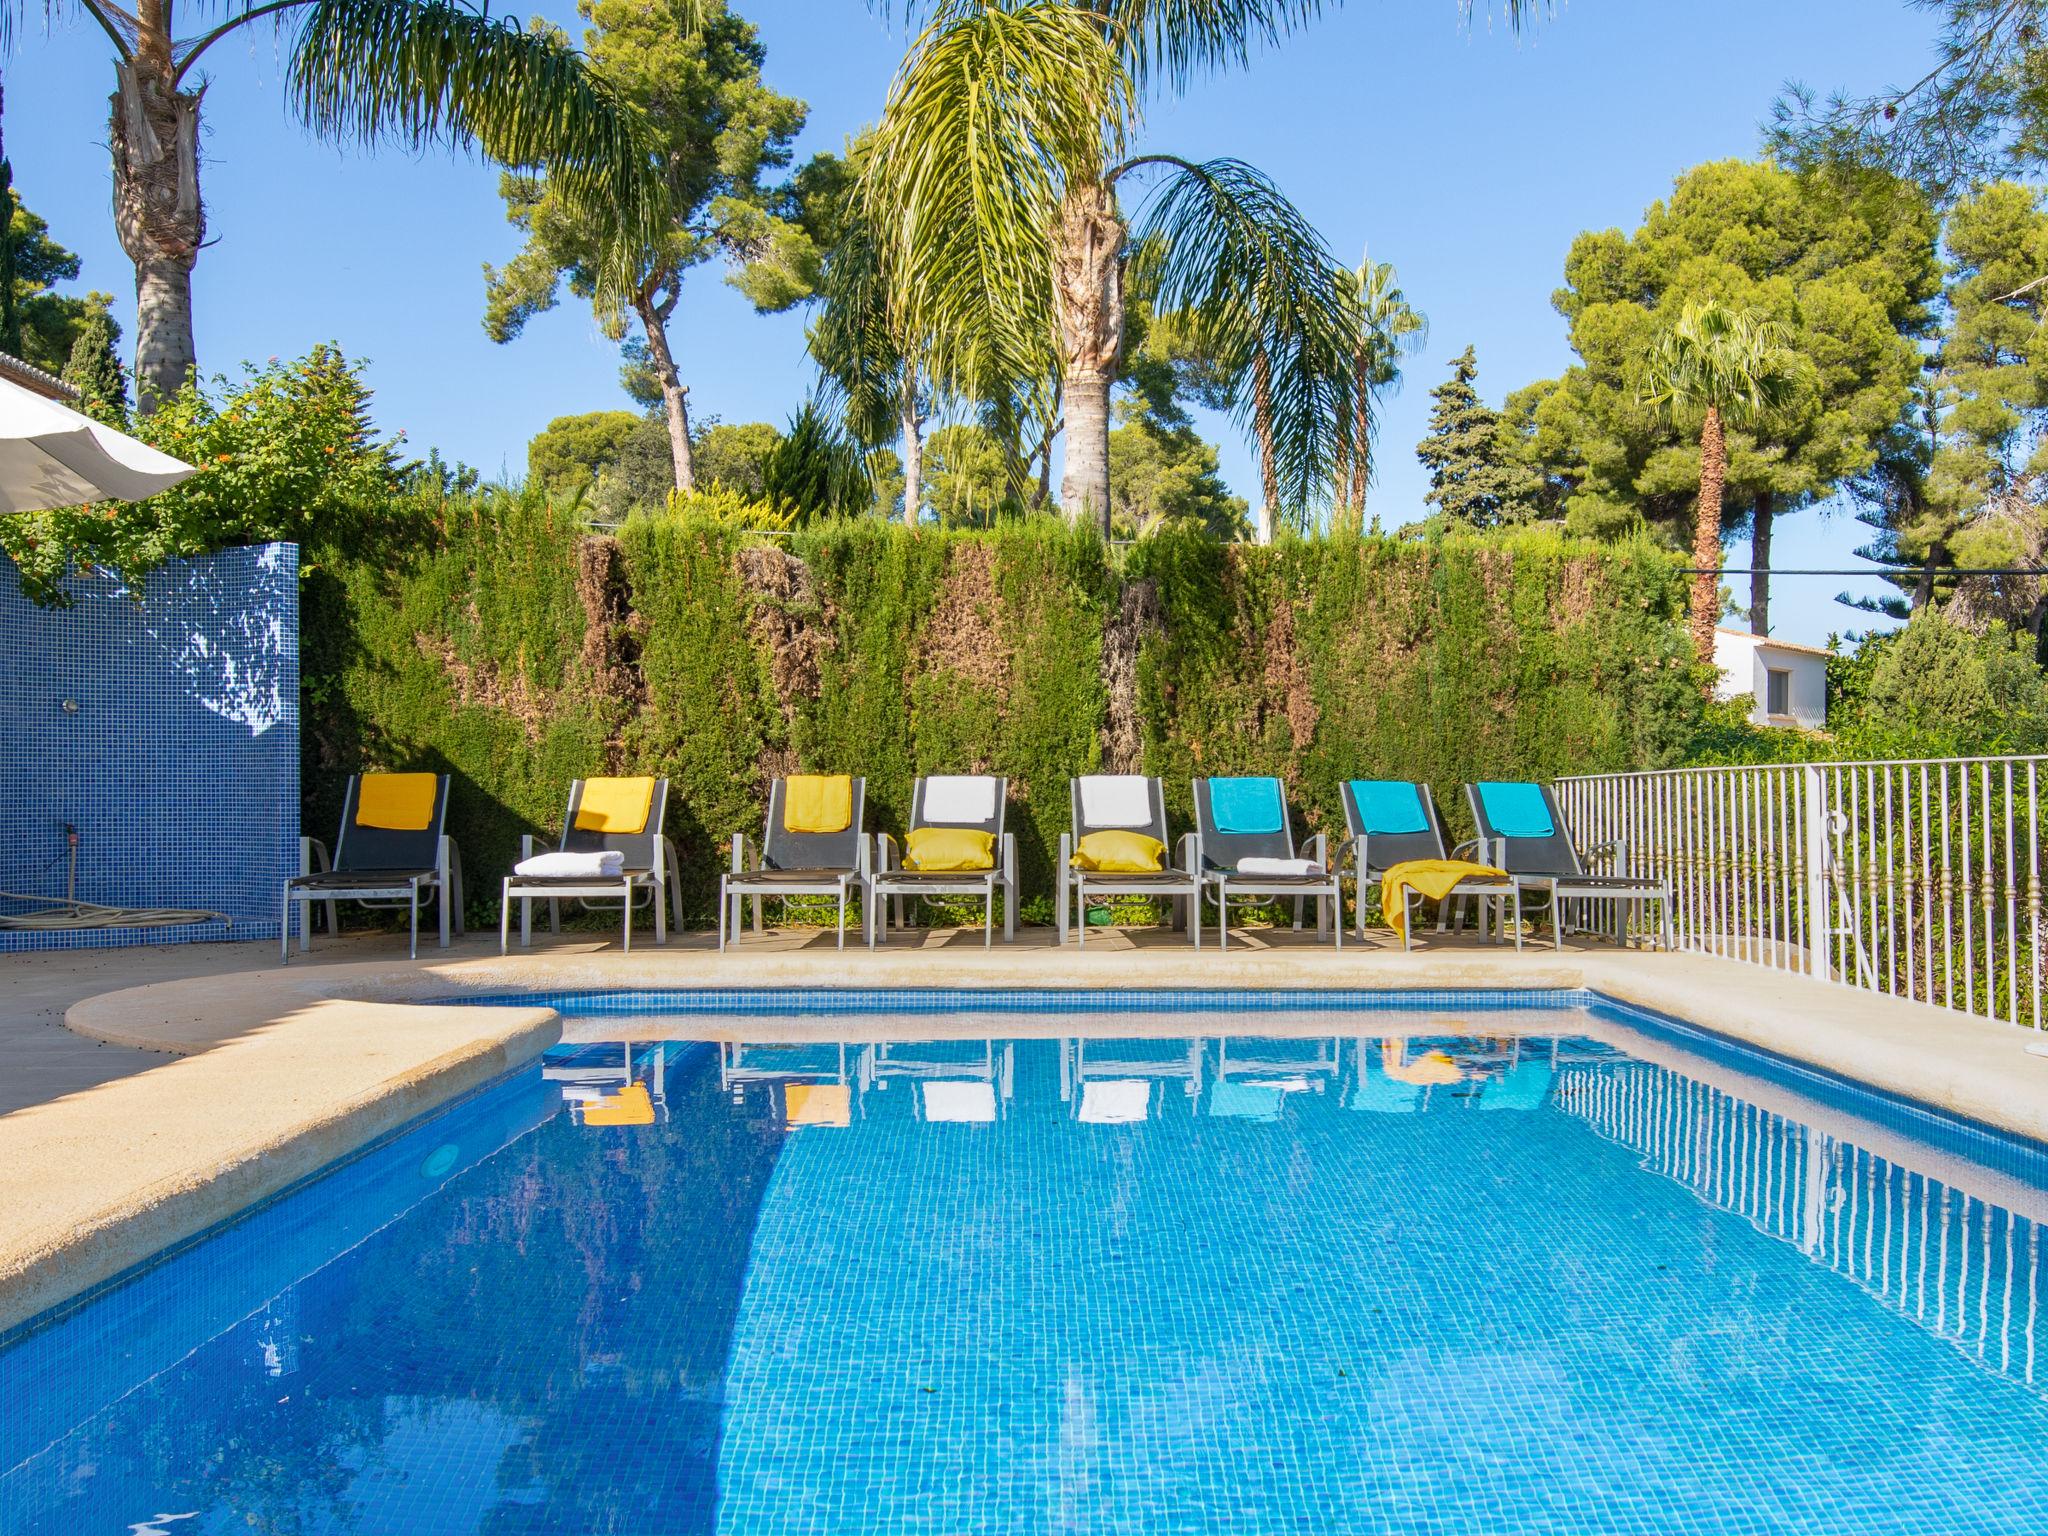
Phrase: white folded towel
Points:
(608, 865)
(953, 799)
(1116, 800)
(1256, 867)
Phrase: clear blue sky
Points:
(1467, 157)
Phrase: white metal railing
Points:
(1946, 1258)
(1918, 878)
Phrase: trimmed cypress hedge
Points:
(516, 653)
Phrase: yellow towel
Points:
(397, 802)
(814, 802)
(631, 1105)
(818, 1104)
(1427, 1070)
(615, 805)
(1434, 878)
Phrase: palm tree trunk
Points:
(674, 396)
(1361, 439)
(1262, 425)
(1706, 538)
(158, 214)
(1088, 295)
(1760, 566)
(913, 448)
(1340, 484)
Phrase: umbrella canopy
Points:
(51, 456)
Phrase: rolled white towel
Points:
(608, 865)
(1256, 867)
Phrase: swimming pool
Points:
(1453, 1263)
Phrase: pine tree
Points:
(1475, 481)
(95, 368)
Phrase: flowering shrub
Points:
(286, 452)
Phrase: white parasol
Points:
(51, 456)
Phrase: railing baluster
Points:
(1948, 946)
(2035, 978)
(1968, 894)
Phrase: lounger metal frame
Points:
(368, 867)
(1221, 852)
(1374, 853)
(890, 882)
(795, 864)
(1553, 866)
(1181, 883)
(648, 879)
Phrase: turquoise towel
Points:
(1388, 807)
(1248, 806)
(1526, 1086)
(1245, 1101)
(1516, 810)
(1379, 1094)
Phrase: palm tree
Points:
(867, 358)
(1386, 327)
(417, 72)
(1724, 367)
(996, 177)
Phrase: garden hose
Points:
(68, 912)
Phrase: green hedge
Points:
(517, 653)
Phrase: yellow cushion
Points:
(1120, 853)
(615, 805)
(397, 802)
(936, 848)
(818, 1104)
(817, 802)
(631, 1105)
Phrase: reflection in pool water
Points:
(1363, 1281)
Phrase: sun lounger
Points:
(970, 803)
(1125, 802)
(1395, 821)
(391, 851)
(623, 817)
(1247, 844)
(1524, 832)
(800, 853)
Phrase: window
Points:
(1777, 691)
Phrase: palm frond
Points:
(994, 113)
(1219, 241)
(1735, 361)
(430, 72)
(860, 356)
(1177, 40)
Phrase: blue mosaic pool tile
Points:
(1422, 1284)
(165, 730)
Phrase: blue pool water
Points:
(1466, 1266)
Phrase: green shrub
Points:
(285, 453)
(516, 652)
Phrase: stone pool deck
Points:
(161, 1109)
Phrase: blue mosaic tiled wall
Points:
(166, 731)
